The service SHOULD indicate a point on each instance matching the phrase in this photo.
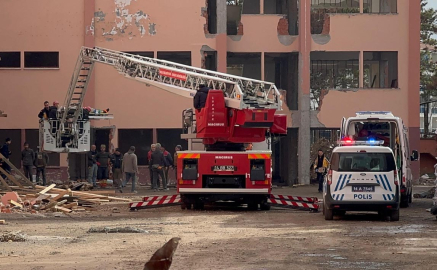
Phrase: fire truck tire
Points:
(199, 206)
(394, 215)
(264, 206)
(185, 206)
(252, 206)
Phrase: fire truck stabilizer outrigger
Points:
(238, 111)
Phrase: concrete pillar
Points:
(304, 120)
(261, 6)
(221, 37)
(413, 82)
(361, 67)
(361, 6)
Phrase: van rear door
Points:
(363, 176)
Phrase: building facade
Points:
(331, 58)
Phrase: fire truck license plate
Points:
(224, 168)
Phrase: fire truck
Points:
(216, 166)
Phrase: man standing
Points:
(157, 163)
(28, 159)
(41, 161)
(200, 97)
(168, 161)
(54, 110)
(102, 160)
(149, 158)
(92, 166)
(321, 165)
(116, 163)
(6, 153)
(130, 168)
(44, 113)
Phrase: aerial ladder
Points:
(238, 111)
(70, 131)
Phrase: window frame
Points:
(52, 68)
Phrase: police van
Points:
(383, 125)
(362, 177)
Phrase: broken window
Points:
(170, 137)
(380, 6)
(321, 8)
(212, 16)
(275, 6)
(145, 54)
(287, 7)
(381, 69)
(41, 59)
(233, 11)
(332, 70)
(183, 58)
(244, 64)
(210, 59)
(140, 138)
(330, 134)
(250, 6)
(10, 59)
(282, 69)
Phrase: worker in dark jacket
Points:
(200, 97)
(54, 110)
(41, 161)
(44, 113)
(28, 159)
(92, 166)
(157, 163)
(168, 161)
(102, 159)
(6, 153)
(117, 165)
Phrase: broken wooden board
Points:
(15, 203)
(61, 194)
(70, 205)
(5, 184)
(10, 177)
(16, 170)
(46, 189)
(63, 209)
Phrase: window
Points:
(275, 6)
(10, 59)
(380, 6)
(363, 162)
(41, 59)
(140, 138)
(320, 9)
(251, 6)
(245, 64)
(212, 16)
(183, 58)
(381, 69)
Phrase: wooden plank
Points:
(10, 177)
(62, 194)
(100, 192)
(5, 184)
(65, 210)
(16, 170)
(70, 205)
(79, 193)
(16, 204)
(44, 191)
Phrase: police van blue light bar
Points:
(374, 112)
(369, 142)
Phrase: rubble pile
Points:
(42, 198)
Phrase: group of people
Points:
(160, 161)
(49, 112)
(30, 159)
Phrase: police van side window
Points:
(362, 162)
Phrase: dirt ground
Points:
(224, 238)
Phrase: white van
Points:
(381, 125)
(362, 178)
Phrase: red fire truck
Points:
(216, 166)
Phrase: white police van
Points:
(362, 177)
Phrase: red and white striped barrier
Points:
(294, 198)
(311, 204)
(156, 201)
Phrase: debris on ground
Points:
(163, 257)
(117, 230)
(2, 222)
(41, 198)
(426, 194)
(12, 237)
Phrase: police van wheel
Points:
(405, 201)
(329, 214)
(394, 215)
(252, 206)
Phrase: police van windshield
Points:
(362, 162)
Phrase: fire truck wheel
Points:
(185, 206)
(252, 206)
(199, 206)
(264, 206)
